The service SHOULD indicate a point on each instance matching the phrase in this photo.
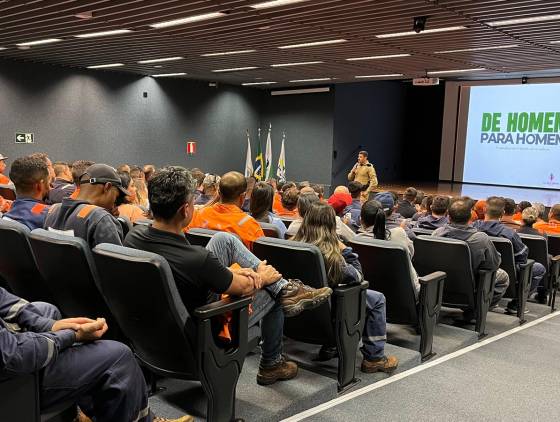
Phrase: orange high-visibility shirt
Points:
(75, 193)
(517, 216)
(4, 180)
(552, 227)
(228, 218)
(277, 203)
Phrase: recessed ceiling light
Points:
(103, 66)
(3, 48)
(389, 75)
(38, 42)
(274, 3)
(165, 59)
(530, 19)
(463, 50)
(389, 56)
(442, 72)
(103, 33)
(235, 69)
(427, 31)
(189, 19)
(311, 80)
(295, 64)
(166, 75)
(227, 53)
(257, 83)
(313, 44)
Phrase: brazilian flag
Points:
(259, 164)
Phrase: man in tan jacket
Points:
(364, 172)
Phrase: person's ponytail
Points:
(379, 225)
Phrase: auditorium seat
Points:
(270, 230)
(143, 222)
(165, 338)
(519, 281)
(287, 221)
(17, 263)
(126, 224)
(385, 266)
(418, 231)
(553, 244)
(201, 237)
(69, 271)
(336, 323)
(462, 289)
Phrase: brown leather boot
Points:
(385, 364)
(284, 370)
(297, 297)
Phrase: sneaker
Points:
(282, 371)
(511, 308)
(297, 297)
(385, 364)
(186, 418)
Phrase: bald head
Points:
(232, 186)
(342, 189)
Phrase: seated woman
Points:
(342, 267)
(260, 206)
(304, 203)
(129, 207)
(209, 189)
(529, 216)
(372, 219)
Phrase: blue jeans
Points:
(374, 335)
(539, 272)
(267, 310)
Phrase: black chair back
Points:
(143, 222)
(538, 247)
(201, 237)
(17, 263)
(420, 230)
(385, 265)
(554, 244)
(270, 230)
(287, 221)
(505, 249)
(126, 224)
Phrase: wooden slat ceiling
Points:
(531, 50)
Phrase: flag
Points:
(259, 165)
(268, 155)
(248, 159)
(281, 169)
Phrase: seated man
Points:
(492, 226)
(5, 183)
(88, 216)
(288, 203)
(509, 211)
(553, 224)
(63, 184)
(31, 178)
(393, 219)
(355, 208)
(519, 210)
(202, 274)
(78, 168)
(484, 255)
(226, 215)
(209, 189)
(438, 216)
(407, 206)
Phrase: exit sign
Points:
(24, 138)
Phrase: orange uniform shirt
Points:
(4, 180)
(517, 216)
(75, 193)
(277, 203)
(132, 212)
(552, 227)
(228, 218)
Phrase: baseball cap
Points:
(2, 157)
(386, 199)
(101, 174)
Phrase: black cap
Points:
(101, 174)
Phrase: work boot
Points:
(385, 364)
(297, 297)
(282, 371)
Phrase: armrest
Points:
(222, 306)
(555, 266)
(349, 289)
(432, 277)
(528, 264)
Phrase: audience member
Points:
(319, 190)
(137, 173)
(149, 170)
(480, 209)
(199, 177)
(127, 203)
(484, 255)
(304, 203)
(392, 219)
(406, 206)
(89, 215)
(343, 267)
(355, 207)
(79, 167)
(226, 215)
(123, 168)
(5, 183)
(529, 217)
(48, 162)
(519, 210)
(438, 217)
(553, 224)
(209, 189)
(341, 193)
(303, 184)
(63, 184)
(289, 203)
(541, 210)
(251, 180)
(307, 189)
(277, 207)
(425, 207)
(31, 177)
(509, 210)
(201, 274)
(261, 207)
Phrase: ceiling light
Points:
(427, 31)
(274, 3)
(227, 53)
(235, 69)
(103, 33)
(189, 19)
(390, 56)
(3, 48)
(312, 44)
(389, 75)
(103, 66)
(38, 42)
(166, 59)
(257, 83)
(442, 72)
(165, 75)
(463, 50)
(531, 19)
(295, 64)
(311, 80)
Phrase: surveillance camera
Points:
(419, 23)
(524, 80)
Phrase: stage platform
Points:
(548, 197)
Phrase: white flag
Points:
(249, 159)
(281, 169)
(268, 155)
